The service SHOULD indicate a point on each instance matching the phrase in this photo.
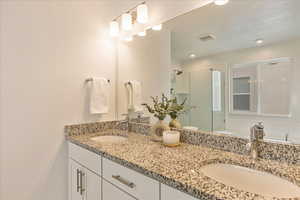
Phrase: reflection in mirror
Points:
(238, 64)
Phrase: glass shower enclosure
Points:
(205, 93)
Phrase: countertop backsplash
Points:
(289, 153)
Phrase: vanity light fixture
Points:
(259, 41)
(221, 2)
(157, 27)
(126, 22)
(142, 13)
(192, 55)
(114, 29)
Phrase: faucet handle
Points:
(260, 125)
(286, 137)
(248, 146)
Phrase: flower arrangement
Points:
(176, 109)
(160, 109)
(166, 106)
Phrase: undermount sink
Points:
(109, 139)
(250, 180)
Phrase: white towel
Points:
(99, 103)
(135, 97)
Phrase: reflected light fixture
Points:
(114, 29)
(259, 41)
(126, 22)
(142, 13)
(157, 27)
(221, 2)
(192, 55)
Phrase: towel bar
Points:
(91, 79)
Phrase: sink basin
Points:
(109, 139)
(250, 180)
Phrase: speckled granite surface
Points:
(180, 167)
(289, 153)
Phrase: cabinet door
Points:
(168, 193)
(91, 185)
(110, 192)
(74, 180)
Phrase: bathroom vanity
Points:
(94, 177)
(138, 168)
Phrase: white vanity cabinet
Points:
(92, 177)
(168, 193)
(134, 183)
(84, 174)
(74, 180)
(111, 192)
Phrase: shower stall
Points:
(205, 93)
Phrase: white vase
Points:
(158, 129)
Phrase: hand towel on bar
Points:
(99, 101)
(136, 96)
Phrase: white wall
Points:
(148, 61)
(47, 49)
(275, 127)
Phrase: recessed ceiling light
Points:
(192, 55)
(221, 2)
(259, 41)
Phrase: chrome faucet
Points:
(119, 123)
(256, 133)
(286, 137)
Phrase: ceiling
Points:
(236, 25)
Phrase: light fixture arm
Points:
(129, 11)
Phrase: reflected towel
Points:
(135, 96)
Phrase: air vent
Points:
(205, 38)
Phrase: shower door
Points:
(204, 91)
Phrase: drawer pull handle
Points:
(124, 181)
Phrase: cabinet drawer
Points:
(110, 192)
(86, 158)
(134, 183)
(168, 193)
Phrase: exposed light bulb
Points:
(114, 29)
(157, 27)
(259, 41)
(142, 14)
(221, 2)
(142, 34)
(126, 22)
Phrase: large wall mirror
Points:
(236, 64)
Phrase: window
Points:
(241, 93)
(261, 88)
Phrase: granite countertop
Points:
(179, 167)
